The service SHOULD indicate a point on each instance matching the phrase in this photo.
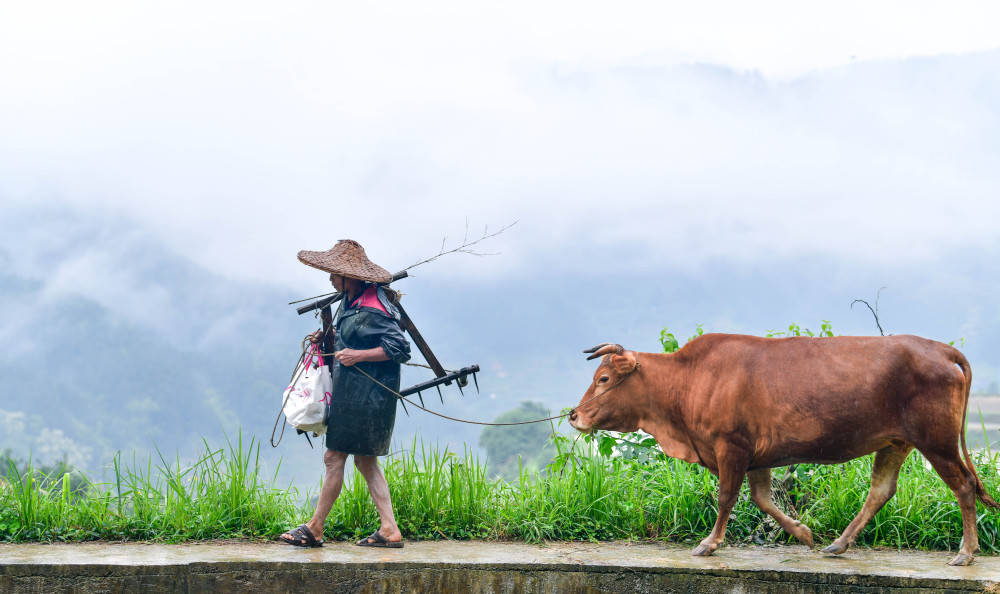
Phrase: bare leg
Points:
(760, 491)
(885, 475)
(379, 490)
(732, 468)
(963, 484)
(332, 483)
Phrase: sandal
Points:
(377, 540)
(301, 537)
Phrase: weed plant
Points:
(603, 487)
(582, 495)
(220, 495)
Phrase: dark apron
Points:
(362, 413)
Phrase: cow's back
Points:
(818, 399)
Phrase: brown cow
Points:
(742, 405)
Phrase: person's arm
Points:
(392, 344)
(348, 357)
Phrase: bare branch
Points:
(878, 294)
(461, 249)
(874, 310)
(464, 248)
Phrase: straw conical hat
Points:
(347, 258)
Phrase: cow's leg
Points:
(760, 492)
(885, 475)
(732, 469)
(963, 483)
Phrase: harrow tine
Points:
(403, 402)
(459, 384)
(420, 395)
(475, 380)
(440, 395)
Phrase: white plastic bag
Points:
(305, 402)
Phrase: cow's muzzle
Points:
(574, 422)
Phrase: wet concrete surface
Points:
(479, 567)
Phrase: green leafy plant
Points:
(599, 486)
(669, 341)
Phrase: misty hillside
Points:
(81, 379)
(114, 342)
(122, 345)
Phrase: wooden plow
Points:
(442, 376)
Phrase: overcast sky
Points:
(632, 144)
(242, 132)
(739, 164)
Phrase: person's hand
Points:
(318, 336)
(348, 357)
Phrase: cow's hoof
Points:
(803, 534)
(834, 549)
(703, 550)
(961, 559)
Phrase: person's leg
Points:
(332, 483)
(379, 490)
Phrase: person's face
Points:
(338, 282)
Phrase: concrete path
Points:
(478, 567)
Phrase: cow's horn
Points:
(604, 349)
(592, 349)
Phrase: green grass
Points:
(220, 495)
(439, 494)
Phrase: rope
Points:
(437, 414)
(296, 373)
(426, 367)
(443, 416)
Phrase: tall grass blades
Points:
(220, 495)
(436, 494)
(440, 494)
(602, 487)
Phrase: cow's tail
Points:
(981, 493)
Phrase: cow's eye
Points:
(603, 379)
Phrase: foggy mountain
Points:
(143, 293)
(113, 342)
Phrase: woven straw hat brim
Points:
(347, 258)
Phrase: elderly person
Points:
(367, 337)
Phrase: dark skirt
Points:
(361, 418)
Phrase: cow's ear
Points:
(624, 363)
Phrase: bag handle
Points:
(313, 352)
(303, 364)
(300, 368)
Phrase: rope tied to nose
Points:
(470, 422)
(437, 414)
